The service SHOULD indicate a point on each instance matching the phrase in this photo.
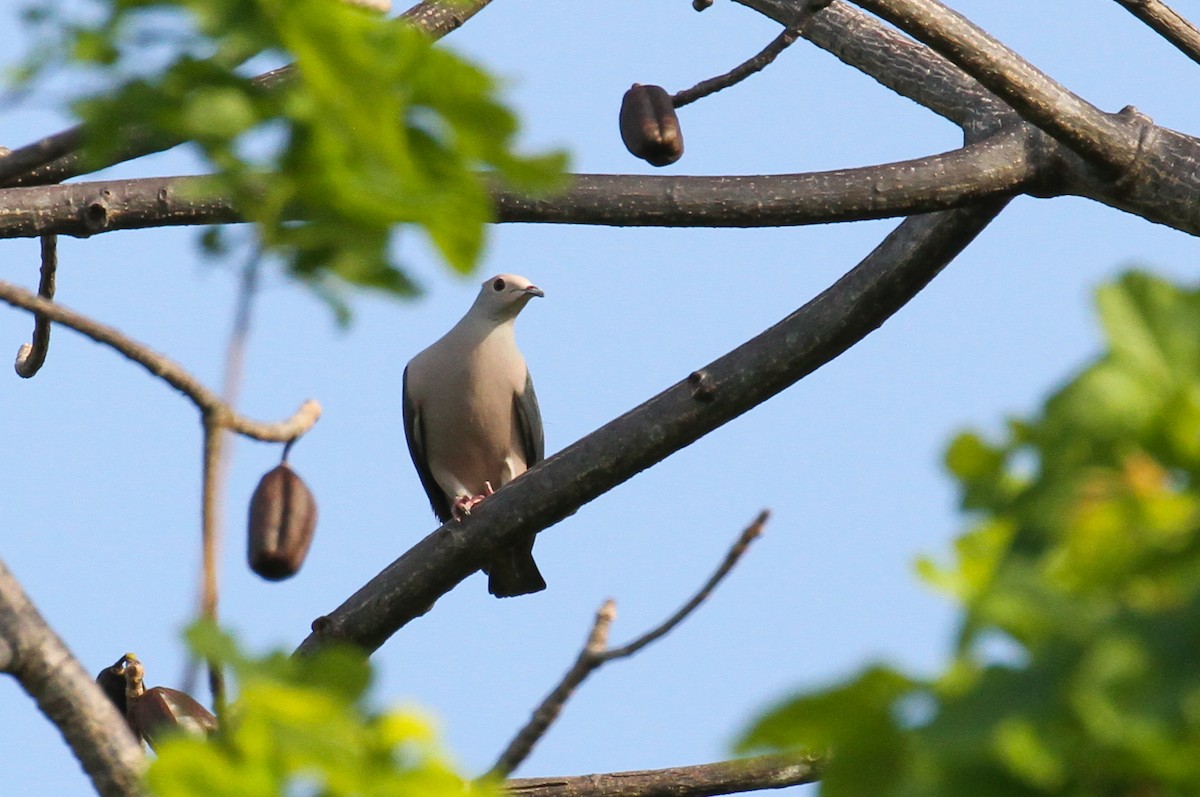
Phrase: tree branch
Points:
(1161, 186)
(1105, 140)
(748, 535)
(703, 780)
(548, 710)
(1167, 22)
(66, 694)
(210, 543)
(169, 371)
(32, 356)
(757, 63)
(997, 166)
(596, 653)
(32, 157)
(439, 17)
(910, 69)
(818, 332)
(218, 456)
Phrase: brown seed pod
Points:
(283, 517)
(649, 126)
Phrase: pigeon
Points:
(472, 421)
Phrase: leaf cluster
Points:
(371, 127)
(1079, 580)
(302, 726)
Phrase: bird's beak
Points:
(534, 290)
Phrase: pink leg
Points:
(463, 505)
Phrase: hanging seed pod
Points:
(649, 126)
(283, 517)
(156, 712)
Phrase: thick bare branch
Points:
(31, 356)
(799, 344)
(1108, 141)
(596, 653)
(169, 371)
(910, 69)
(84, 209)
(66, 694)
(703, 780)
(998, 166)
(1167, 23)
(46, 150)
(439, 17)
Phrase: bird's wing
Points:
(414, 433)
(529, 421)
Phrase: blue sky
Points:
(99, 517)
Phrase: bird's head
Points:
(112, 681)
(134, 675)
(503, 296)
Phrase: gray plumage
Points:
(472, 421)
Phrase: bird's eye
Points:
(498, 284)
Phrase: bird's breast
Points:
(470, 430)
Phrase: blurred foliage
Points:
(373, 127)
(1075, 671)
(301, 726)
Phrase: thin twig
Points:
(218, 459)
(596, 653)
(210, 537)
(169, 371)
(744, 69)
(31, 356)
(1167, 22)
(698, 780)
(549, 709)
(749, 534)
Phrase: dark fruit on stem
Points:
(649, 126)
(283, 518)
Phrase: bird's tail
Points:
(513, 572)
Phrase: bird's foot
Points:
(463, 504)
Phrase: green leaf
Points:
(375, 128)
(1078, 579)
(305, 724)
(856, 722)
